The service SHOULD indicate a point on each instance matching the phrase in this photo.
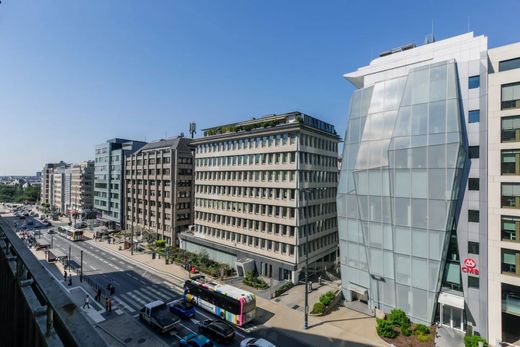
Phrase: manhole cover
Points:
(141, 340)
(128, 339)
(295, 307)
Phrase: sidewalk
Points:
(342, 326)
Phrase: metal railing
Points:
(34, 310)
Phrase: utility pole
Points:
(52, 241)
(68, 259)
(81, 267)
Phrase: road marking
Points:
(124, 304)
(155, 292)
(119, 312)
(194, 321)
(136, 315)
(131, 302)
(136, 298)
(144, 296)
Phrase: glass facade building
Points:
(404, 212)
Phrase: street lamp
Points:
(378, 279)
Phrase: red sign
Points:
(470, 266)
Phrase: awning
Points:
(451, 300)
(358, 289)
(58, 253)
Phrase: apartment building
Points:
(504, 194)
(61, 184)
(47, 192)
(82, 186)
(159, 189)
(413, 192)
(260, 186)
(109, 179)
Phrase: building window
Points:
(473, 247)
(473, 184)
(510, 226)
(510, 195)
(473, 216)
(474, 82)
(510, 162)
(474, 152)
(511, 262)
(511, 96)
(473, 282)
(474, 116)
(510, 64)
(510, 129)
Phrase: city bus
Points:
(71, 233)
(233, 304)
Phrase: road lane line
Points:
(142, 296)
(136, 298)
(130, 301)
(156, 293)
(185, 327)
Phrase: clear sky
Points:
(75, 73)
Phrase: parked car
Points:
(254, 342)
(194, 340)
(51, 231)
(218, 330)
(182, 308)
(157, 314)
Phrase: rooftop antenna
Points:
(193, 128)
(468, 23)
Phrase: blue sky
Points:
(75, 73)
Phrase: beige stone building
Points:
(260, 185)
(82, 186)
(47, 188)
(60, 188)
(159, 189)
(504, 194)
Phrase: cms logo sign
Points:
(470, 266)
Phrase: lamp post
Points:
(132, 238)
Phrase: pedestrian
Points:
(109, 304)
(65, 276)
(106, 304)
(87, 302)
(98, 295)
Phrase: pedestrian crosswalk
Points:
(132, 301)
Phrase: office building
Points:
(82, 187)
(159, 189)
(504, 194)
(413, 192)
(109, 180)
(260, 186)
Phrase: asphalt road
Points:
(136, 286)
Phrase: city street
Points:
(134, 287)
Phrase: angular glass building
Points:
(407, 218)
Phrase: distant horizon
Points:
(75, 74)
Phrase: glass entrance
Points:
(452, 317)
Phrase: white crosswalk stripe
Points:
(154, 293)
(146, 298)
(124, 304)
(161, 292)
(136, 298)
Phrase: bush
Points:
(255, 282)
(327, 298)
(318, 308)
(421, 329)
(285, 287)
(385, 328)
(398, 319)
(424, 338)
(473, 340)
(160, 243)
(406, 331)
